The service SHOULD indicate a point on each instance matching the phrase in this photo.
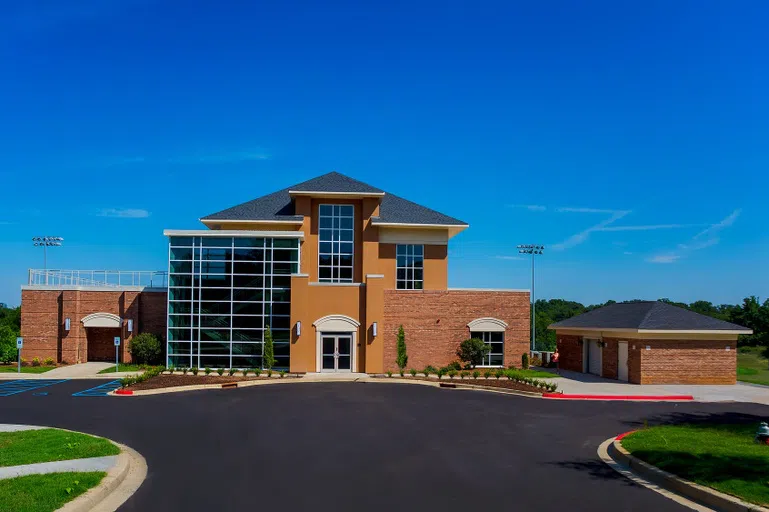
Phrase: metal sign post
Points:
(117, 348)
(19, 344)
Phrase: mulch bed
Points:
(490, 383)
(172, 381)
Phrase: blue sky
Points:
(628, 137)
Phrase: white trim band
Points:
(487, 324)
(233, 233)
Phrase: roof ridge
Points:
(654, 303)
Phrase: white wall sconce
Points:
(130, 326)
(299, 328)
(728, 349)
(648, 347)
(374, 329)
(67, 324)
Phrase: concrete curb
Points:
(121, 483)
(635, 398)
(690, 490)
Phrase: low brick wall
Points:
(43, 313)
(435, 323)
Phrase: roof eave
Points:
(454, 229)
(251, 221)
(651, 331)
(330, 194)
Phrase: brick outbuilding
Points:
(650, 343)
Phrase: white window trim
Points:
(487, 324)
(317, 266)
(489, 343)
(413, 281)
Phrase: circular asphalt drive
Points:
(367, 446)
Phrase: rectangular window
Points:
(496, 341)
(335, 243)
(409, 267)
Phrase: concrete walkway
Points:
(335, 377)
(72, 371)
(581, 383)
(60, 466)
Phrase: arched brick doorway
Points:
(100, 332)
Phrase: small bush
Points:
(257, 371)
(452, 374)
(220, 371)
(430, 370)
(525, 360)
(282, 373)
(231, 371)
(245, 372)
(145, 348)
(454, 365)
(476, 374)
(389, 373)
(207, 371)
(195, 370)
(471, 351)
(35, 361)
(499, 373)
(402, 357)
(49, 361)
(464, 375)
(413, 372)
(440, 373)
(269, 372)
(487, 374)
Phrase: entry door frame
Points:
(336, 325)
(620, 365)
(336, 337)
(586, 342)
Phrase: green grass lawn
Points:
(752, 366)
(536, 374)
(721, 456)
(25, 369)
(49, 444)
(124, 368)
(44, 493)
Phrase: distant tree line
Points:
(10, 327)
(751, 313)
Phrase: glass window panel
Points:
(325, 209)
(214, 361)
(215, 281)
(216, 241)
(214, 321)
(181, 253)
(180, 280)
(248, 295)
(249, 268)
(284, 255)
(181, 240)
(215, 294)
(247, 349)
(282, 308)
(214, 348)
(215, 308)
(280, 334)
(179, 293)
(248, 322)
(286, 243)
(324, 248)
(216, 254)
(249, 254)
(180, 267)
(497, 336)
(248, 281)
(282, 268)
(345, 274)
(409, 263)
(176, 347)
(179, 320)
(281, 282)
(249, 242)
(281, 363)
(245, 335)
(281, 296)
(246, 362)
(179, 361)
(179, 307)
(214, 335)
(247, 308)
(179, 334)
(325, 222)
(214, 267)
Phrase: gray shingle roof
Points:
(651, 315)
(279, 205)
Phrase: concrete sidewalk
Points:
(72, 371)
(581, 383)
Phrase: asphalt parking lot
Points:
(366, 446)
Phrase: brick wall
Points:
(569, 352)
(435, 323)
(686, 361)
(610, 358)
(43, 313)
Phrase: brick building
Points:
(332, 266)
(649, 343)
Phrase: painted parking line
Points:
(15, 387)
(101, 390)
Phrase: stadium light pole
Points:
(533, 250)
(45, 242)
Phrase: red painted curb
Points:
(617, 397)
(124, 392)
(619, 437)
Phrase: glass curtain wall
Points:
(223, 292)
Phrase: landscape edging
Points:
(671, 482)
(128, 460)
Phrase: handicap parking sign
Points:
(19, 342)
(117, 341)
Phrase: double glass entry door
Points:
(336, 352)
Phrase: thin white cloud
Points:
(224, 157)
(586, 210)
(510, 258)
(708, 237)
(124, 213)
(580, 237)
(665, 258)
(649, 227)
(530, 207)
(627, 253)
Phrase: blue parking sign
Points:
(19, 342)
(117, 341)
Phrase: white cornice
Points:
(234, 233)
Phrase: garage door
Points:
(594, 357)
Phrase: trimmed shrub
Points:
(413, 372)
(207, 371)
(145, 348)
(257, 371)
(389, 373)
(487, 374)
(232, 371)
(452, 374)
(441, 372)
(499, 373)
(268, 357)
(220, 371)
(49, 361)
(35, 361)
(476, 374)
(464, 375)
(402, 358)
(454, 365)
(525, 361)
(471, 351)
(195, 370)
